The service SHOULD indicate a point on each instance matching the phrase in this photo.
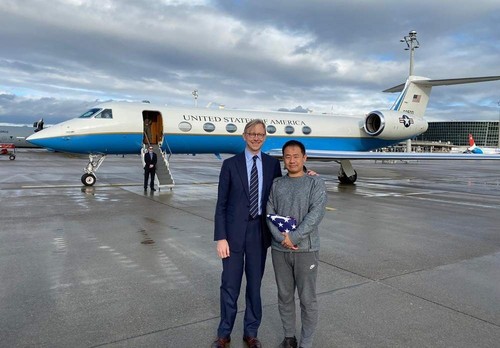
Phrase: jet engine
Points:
(395, 125)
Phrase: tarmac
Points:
(410, 256)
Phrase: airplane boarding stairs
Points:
(163, 177)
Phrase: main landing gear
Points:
(95, 161)
(347, 174)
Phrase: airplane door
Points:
(153, 127)
(159, 128)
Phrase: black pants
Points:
(147, 173)
(251, 261)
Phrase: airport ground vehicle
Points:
(8, 149)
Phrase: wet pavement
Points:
(410, 256)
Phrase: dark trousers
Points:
(147, 173)
(251, 260)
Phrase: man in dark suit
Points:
(150, 168)
(241, 232)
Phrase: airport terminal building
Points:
(445, 136)
(485, 133)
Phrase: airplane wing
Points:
(327, 155)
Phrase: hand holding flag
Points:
(285, 225)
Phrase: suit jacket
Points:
(233, 201)
(148, 160)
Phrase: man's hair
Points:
(294, 143)
(254, 122)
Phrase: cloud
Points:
(298, 108)
(329, 56)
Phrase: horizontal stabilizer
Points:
(444, 82)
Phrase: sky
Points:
(59, 58)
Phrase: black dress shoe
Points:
(153, 189)
(221, 342)
(252, 342)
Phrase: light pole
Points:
(195, 95)
(412, 43)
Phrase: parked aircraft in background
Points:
(17, 134)
(117, 128)
(478, 150)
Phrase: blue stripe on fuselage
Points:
(121, 143)
(191, 144)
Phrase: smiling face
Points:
(294, 160)
(254, 137)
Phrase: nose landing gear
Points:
(88, 179)
(95, 161)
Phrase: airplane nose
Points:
(40, 139)
(35, 139)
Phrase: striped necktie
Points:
(254, 189)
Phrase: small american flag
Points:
(416, 98)
(285, 224)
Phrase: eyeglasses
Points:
(256, 135)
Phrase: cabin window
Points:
(185, 126)
(271, 129)
(90, 113)
(289, 130)
(208, 127)
(106, 113)
(306, 130)
(231, 128)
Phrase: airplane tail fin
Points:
(473, 147)
(414, 96)
(415, 93)
(472, 143)
(38, 125)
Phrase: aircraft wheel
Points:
(88, 179)
(12, 157)
(344, 179)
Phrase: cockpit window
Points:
(106, 113)
(90, 113)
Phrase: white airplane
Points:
(117, 128)
(473, 148)
(17, 135)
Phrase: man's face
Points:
(294, 160)
(255, 137)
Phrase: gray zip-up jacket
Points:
(303, 198)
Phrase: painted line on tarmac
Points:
(113, 185)
(83, 186)
(474, 205)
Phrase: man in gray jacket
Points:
(295, 250)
